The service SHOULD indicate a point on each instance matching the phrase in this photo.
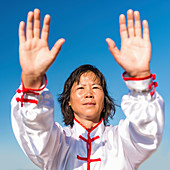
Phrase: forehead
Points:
(88, 77)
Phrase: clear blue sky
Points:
(84, 24)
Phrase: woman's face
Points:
(87, 98)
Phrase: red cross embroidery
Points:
(88, 146)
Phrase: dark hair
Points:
(64, 98)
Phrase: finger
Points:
(57, 47)
(113, 49)
(21, 32)
(137, 24)
(29, 31)
(123, 29)
(145, 30)
(46, 27)
(130, 23)
(37, 26)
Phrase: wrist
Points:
(32, 81)
(140, 74)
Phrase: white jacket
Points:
(121, 147)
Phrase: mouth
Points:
(89, 104)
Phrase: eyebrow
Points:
(85, 84)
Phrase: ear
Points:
(69, 103)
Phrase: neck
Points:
(88, 124)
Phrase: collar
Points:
(81, 130)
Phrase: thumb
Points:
(57, 47)
(113, 49)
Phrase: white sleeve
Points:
(32, 115)
(142, 129)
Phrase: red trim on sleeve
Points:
(153, 76)
(152, 92)
(26, 100)
(135, 79)
(154, 85)
(150, 86)
(29, 90)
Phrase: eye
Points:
(96, 87)
(79, 88)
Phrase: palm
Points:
(35, 56)
(135, 53)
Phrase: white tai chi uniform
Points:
(121, 147)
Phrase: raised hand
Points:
(135, 53)
(34, 54)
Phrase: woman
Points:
(87, 143)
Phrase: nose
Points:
(89, 94)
